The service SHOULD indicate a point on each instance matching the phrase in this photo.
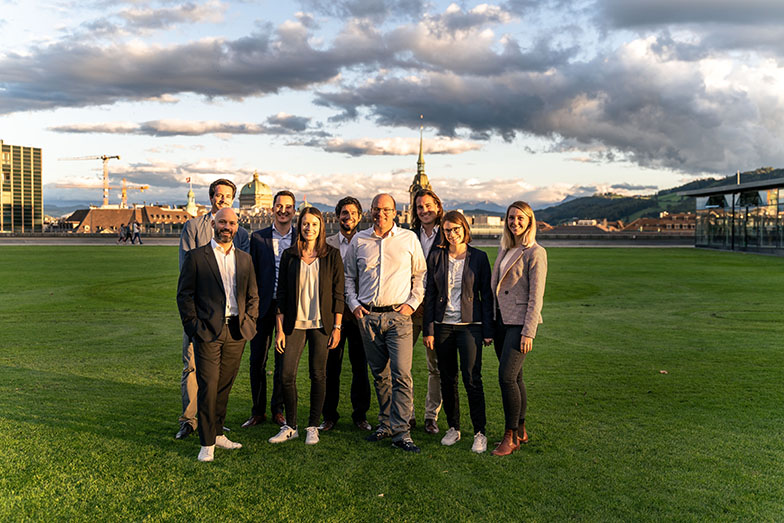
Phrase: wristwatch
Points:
(338, 326)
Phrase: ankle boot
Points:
(507, 445)
(522, 435)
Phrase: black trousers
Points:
(217, 363)
(259, 351)
(510, 372)
(317, 364)
(360, 384)
(464, 341)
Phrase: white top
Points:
(452, 314)
(308, 310)
(279, 244)
(385, 271)
(227, 265)
(427, 241)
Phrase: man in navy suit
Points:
(266, 247)
(198, 232)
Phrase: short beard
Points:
(348, 230)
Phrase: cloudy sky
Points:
(522, 99)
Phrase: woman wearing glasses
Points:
(518, 280)
(458, 321)
(310, 308)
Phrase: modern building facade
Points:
(21, 199)
(741, 217)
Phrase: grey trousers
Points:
(188, 384)
(388, 341)
(433, 398)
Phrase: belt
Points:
(227, 319)
(375, 308)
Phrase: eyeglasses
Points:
(385, 210)
(453, 230)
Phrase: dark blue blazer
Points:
(476, 295)
(264, 262)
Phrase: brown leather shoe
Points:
(254, 420)
(363, 425)
(326, 426)
(522, 435)
(279, 418)
(431, 427)
(507, 445)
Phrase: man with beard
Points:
(197, 232)
(427, 221)
(385, 271)
(218, 304)
(349, 212)
(266, 247)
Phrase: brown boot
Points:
(522, 435)
(507, 445)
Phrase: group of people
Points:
(130, 232)
(374, 290)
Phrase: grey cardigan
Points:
(519, 292)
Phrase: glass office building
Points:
(742, 217)
(21, 202)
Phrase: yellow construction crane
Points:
(105, 159)
(124, 189)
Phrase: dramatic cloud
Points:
(376, 10)
(280, 124)
(165, 17)
(623, 13)
(397, 146)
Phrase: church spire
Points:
(421, 160)
(420, 179)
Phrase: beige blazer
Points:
(519, 292)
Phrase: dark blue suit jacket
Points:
(476, 295)
(264, 262)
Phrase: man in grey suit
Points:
(196, 233)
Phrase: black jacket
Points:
(331, 287)
(476, 295)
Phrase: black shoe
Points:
(405, 444)
(185, 431)
(378, 435)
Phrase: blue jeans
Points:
(389, 345)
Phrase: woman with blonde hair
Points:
(518, 281)
(310, 309)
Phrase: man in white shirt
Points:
(218, 304)
(385, 270)
(266, 247)
(426, 225)
(349, 213)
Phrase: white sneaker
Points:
(222, 442)
(286, 433)
(451, 437)
(207, 453)
(311, 436)
(480, 443)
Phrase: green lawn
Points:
(89, 398)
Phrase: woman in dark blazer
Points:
(310, 308)
(518, 280)
(457, 321)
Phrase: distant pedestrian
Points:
(121, 235)
(518, 282)
(128, 233)
(136, 235)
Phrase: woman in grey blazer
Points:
(518, 280)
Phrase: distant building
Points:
(21, 201)
(191, 208)
(255, 196)
(152, 219)
(420, 180)
(680, 223)
(741, 217)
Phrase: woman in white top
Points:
(518, 280)
(310, 309)
(458, 313)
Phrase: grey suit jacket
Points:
(519, 292)
(197, 232)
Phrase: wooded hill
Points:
(629, 208)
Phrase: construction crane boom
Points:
(105, 159)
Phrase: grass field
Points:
(89, 398)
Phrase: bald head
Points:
(383, 213)
(225, 225)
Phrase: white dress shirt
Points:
(385, 271)
(227, 265)
(280, 243)
(427, 241)
(343, 242)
